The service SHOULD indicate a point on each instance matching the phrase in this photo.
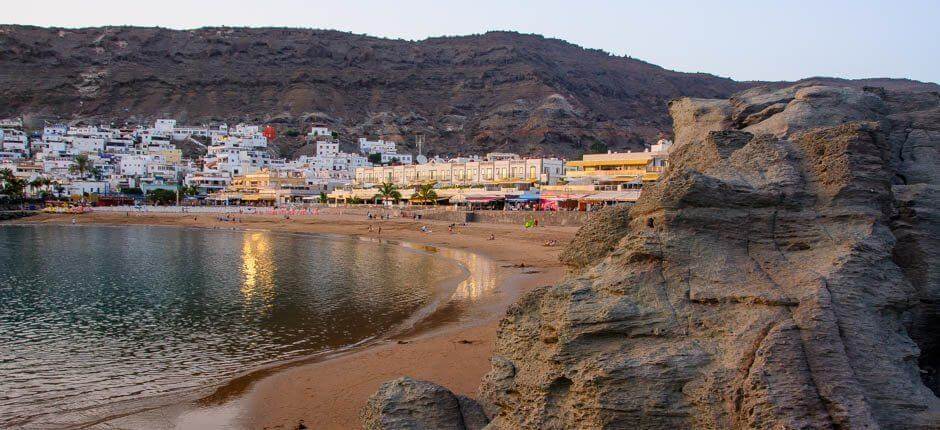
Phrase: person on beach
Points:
(492, 237)
(380, 229)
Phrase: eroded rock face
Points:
(596, 237)
(783, 274)
(406, 403)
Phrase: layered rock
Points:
(597, 237)
(407, 403)
(783, 274)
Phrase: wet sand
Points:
(451, 347)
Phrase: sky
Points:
(743, 40)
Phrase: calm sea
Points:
(91, 316)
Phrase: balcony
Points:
(614, 173)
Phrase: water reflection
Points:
(94, 316)
(481, 278)
(258, 269)
(481, 281)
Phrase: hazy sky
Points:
(744, 40)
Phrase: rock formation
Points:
(597, 237)
(782, 275)
(406, 403)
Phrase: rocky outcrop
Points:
(596, 237)
(782, 275)
(406, 403)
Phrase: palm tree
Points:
(82, 165)
(96, 173)
(425, 194)
(11, 185)
(59, 188)
(40, 184)
(388, 191)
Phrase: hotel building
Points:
(466, 172)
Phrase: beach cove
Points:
(450, 346)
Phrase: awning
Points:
(483, 199)
(475, 198)
(525, 197)
(564, 196)
(614, 196)
(637, 159)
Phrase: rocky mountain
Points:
(495, 91)
(784, 274)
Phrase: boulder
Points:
(406, 403)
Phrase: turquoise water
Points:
(99, 315)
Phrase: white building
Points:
(14, 144)
(136, 165)
(82, 144)
(396, 158)
(316, 132)
(164, 126)
(247, 130)
(327, 148)
(208, 183)
(11, 123)
(82, 187)
(380, 146)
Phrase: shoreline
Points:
(326, 390)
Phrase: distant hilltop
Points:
(499, 91)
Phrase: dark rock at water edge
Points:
(406, 403)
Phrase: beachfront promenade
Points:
(442, 213)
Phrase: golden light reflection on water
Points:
(482, 278)
(258, 268)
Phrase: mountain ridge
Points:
(498, 90)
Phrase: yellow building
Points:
(618, 168)
(267, 187)
(172, 156)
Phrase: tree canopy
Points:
(425, 194)
(388, 191)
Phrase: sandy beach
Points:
(450, 347)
